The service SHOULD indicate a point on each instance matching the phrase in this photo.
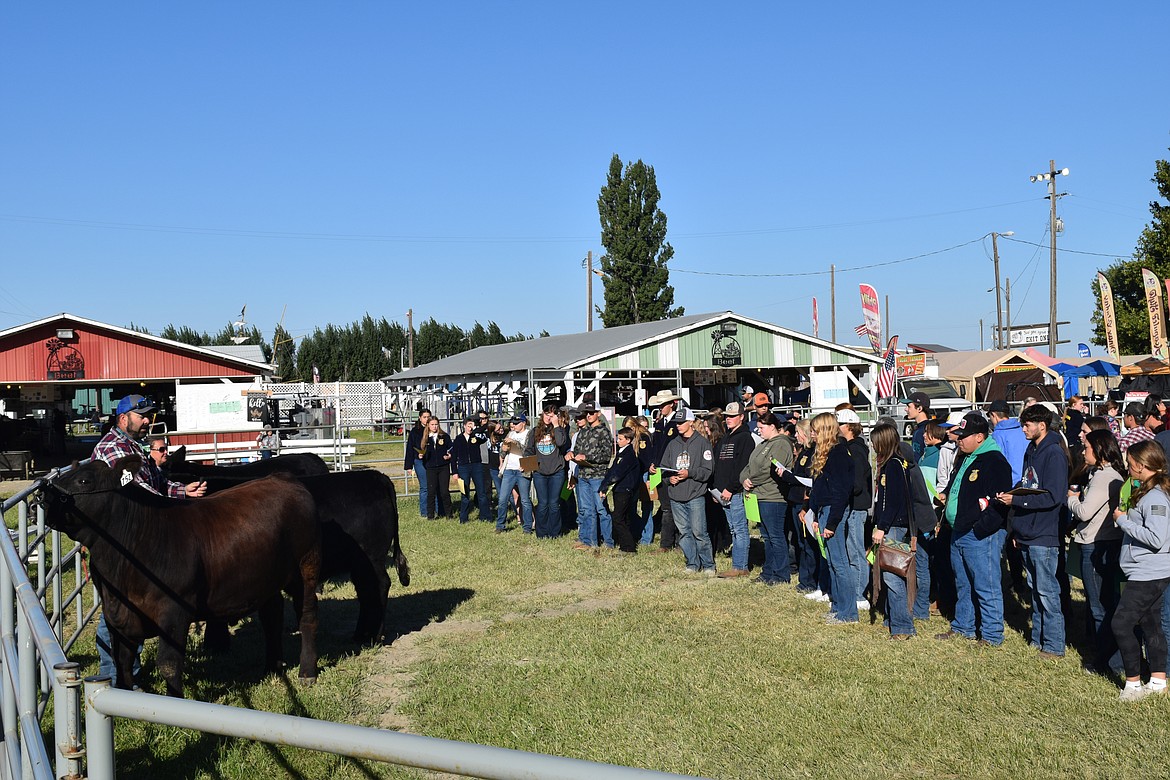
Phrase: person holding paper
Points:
(552, 442)
(516, 445)
(829, 499)
(774, 452)
(592, 453)
(666, 405)
(689, 463)
(1036, 528)
(436, 458)
(623, 480)
(466, 451)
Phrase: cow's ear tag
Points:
(127, 477)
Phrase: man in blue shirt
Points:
(1008, 434)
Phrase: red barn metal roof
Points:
(98, 352)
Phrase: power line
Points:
(1070, 251)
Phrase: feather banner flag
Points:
(1108, 316)
(872, 314)
(889, 373)
(816, 321)
(1157, 315)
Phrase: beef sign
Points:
(358, 512)
(160, 563)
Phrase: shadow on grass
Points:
(232, 677)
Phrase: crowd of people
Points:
(983, 505)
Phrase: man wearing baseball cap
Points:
(734, 450)
(690, 462)
(125, 439)
(1008, 434)
(978, 529)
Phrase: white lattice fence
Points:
(360, 404)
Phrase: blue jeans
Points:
(740, 539)
(105, 647)
(513, 478)
(472, 473)
(897, 608)
(811, 562)
(1100, 564)
(690, 517)
(857, 544)
(842, 577)
(979, 586)
(420, 471)
(590, 508)
(922, 564)
(775, 545)
(548, 503)
(1047, 618)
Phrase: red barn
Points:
(65, 371)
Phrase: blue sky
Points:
(168, 163)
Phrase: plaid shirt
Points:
(116, 445)
(1133, 436)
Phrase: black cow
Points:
(299, 464)
(358, 512)
(160, 563)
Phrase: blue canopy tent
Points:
(1071, 371)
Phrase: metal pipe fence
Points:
(39, 624)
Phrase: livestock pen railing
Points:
(39, 624)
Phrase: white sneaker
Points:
(1134, 694)
(824, 598)
(862, 604)
(814, 595)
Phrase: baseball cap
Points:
(847, 416)
(999, 407)
(921, 400)
(760, 401)
(587, 407)
(733, 409)
(972, 423)
(953, 419)
(135, 403)
(518, 418)
(684, 415)
(748, 390)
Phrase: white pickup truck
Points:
(944, 399)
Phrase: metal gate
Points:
(38, 624)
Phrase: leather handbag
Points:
(898, 558)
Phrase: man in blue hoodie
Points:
(1009, 435)
(1037, 524)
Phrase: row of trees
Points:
(360, 352)
(1125, 276)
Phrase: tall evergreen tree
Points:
(633, 232)
(1125, 276)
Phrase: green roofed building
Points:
(706, 358)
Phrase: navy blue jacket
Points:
(1037, 519)
(624, 473)
(834, 487)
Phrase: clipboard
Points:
(528, 463)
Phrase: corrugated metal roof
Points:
(575, 349)
(251, 352)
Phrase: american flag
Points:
(861, 329)
(889, 372)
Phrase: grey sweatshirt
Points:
(1145, 548)
(694, 455)
(1094, 523)
(759, 467)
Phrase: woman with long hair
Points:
(435, 453)
(642, 515)
(829, 497)
(808, 552)
(892, 520)
(552, 442)
(1145, 559)
(1099, 539)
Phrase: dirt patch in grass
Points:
(391, 684)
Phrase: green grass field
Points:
(523, 643)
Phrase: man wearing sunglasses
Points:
(133, 422)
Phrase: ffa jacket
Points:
(971, 504)
(625, 473)
(438, 446)
(861, 498)
(834, 487)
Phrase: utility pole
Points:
(833, 301)
(410, 335)
(1050, 177)
(588, 263)
(980, 334)
(1007, 342)
(998, 340)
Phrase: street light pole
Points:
(998, 340)
(1050, 177)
